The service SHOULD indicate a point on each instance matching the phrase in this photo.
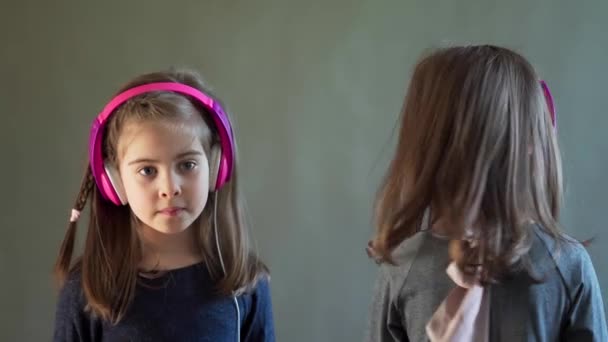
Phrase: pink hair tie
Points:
(75, 215)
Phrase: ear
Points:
(214, 166)
(114, 177)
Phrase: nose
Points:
(170, 186)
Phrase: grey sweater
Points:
(566, 306)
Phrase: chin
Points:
(171, 228)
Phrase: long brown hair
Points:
(478, 149)
(109, 263)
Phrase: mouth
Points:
(171, 211)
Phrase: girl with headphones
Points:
(167, 256)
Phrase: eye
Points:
(188, 165)
(147, 171)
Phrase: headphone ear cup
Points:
(114, 177)
(214, 166)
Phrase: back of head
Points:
(477, 147)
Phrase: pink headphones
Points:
(221, 158)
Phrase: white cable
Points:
(217, 239)
(219, 252)
(238, 320)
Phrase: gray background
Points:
(315, 88)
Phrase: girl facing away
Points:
(467, 235)
(167, 256)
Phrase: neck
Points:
(168, 251)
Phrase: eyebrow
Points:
(191, 153)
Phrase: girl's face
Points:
(165, 172)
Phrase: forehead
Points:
(161, 138)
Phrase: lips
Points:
(171, 211)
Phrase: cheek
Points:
(202, 177)
(136, 192)
(200, 184)
(199, 187)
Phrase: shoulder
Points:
(69, 312)
(571, 259)
(260, 291)
(258, 317)
(256, 295)
(71, 296)
(404, 256)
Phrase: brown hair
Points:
(112, 251)
(477, 148)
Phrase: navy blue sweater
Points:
(179, 306)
